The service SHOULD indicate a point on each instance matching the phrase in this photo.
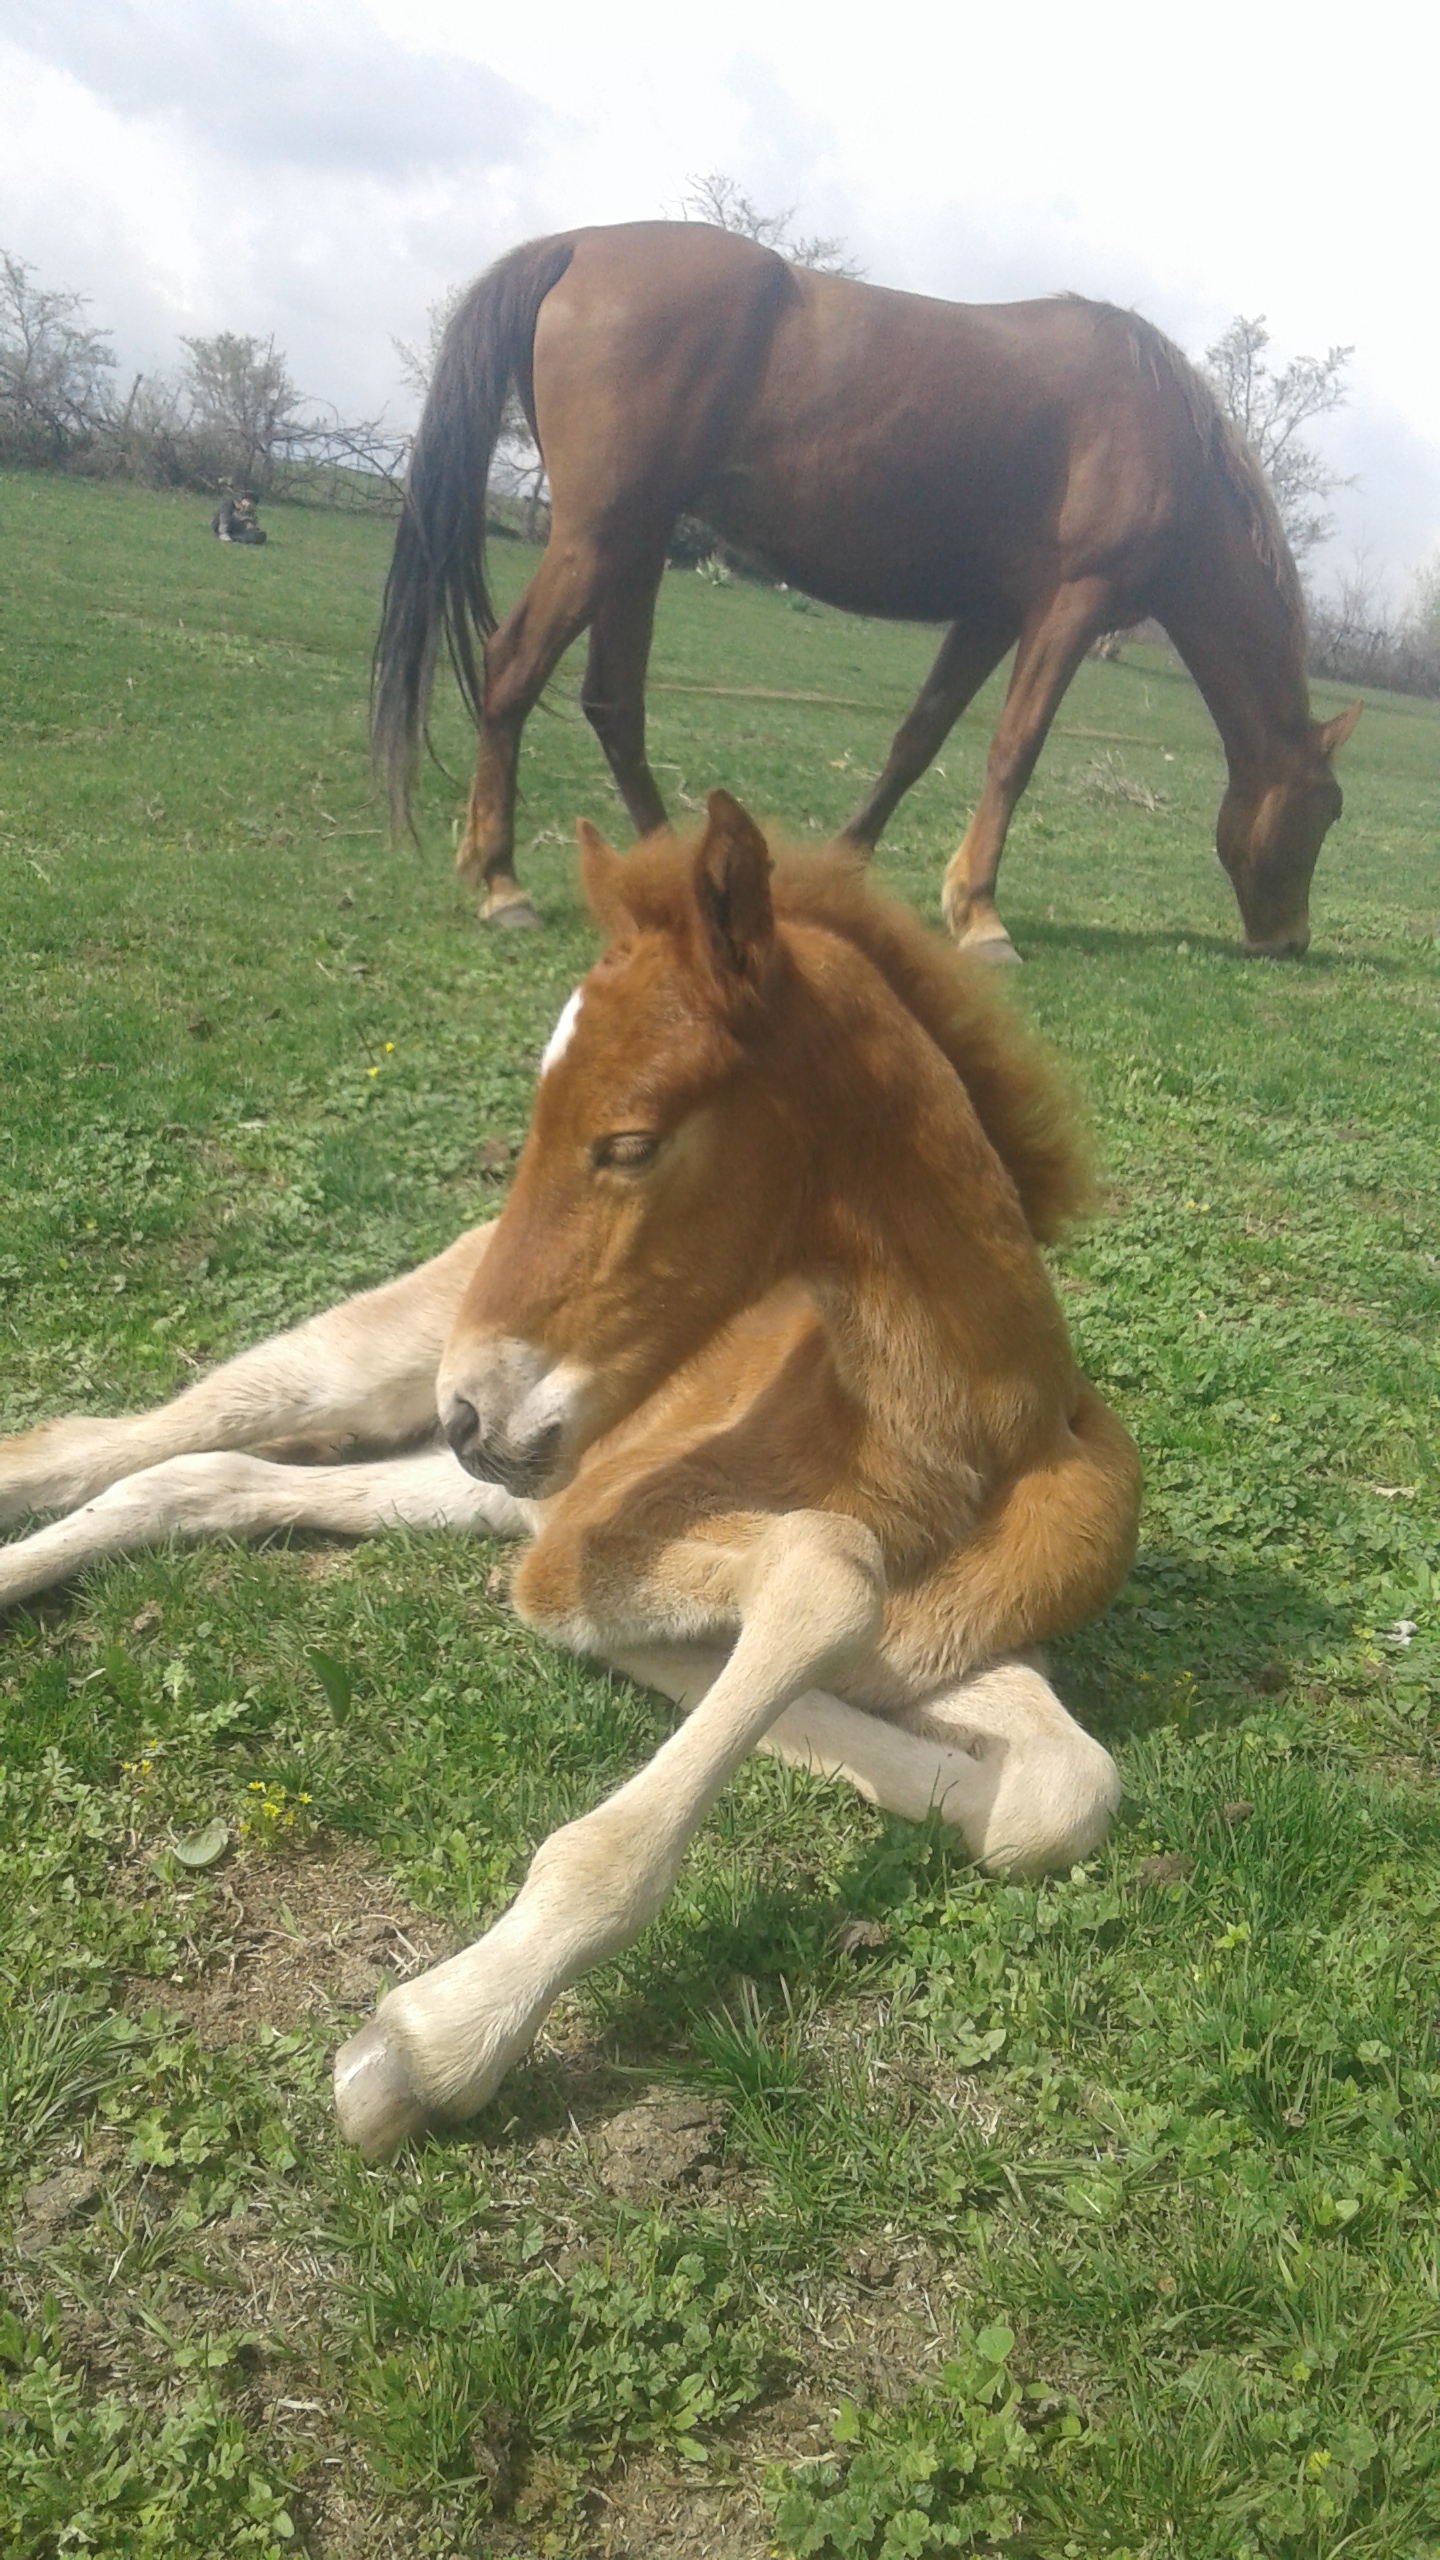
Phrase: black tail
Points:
(436, 583)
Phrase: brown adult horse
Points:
(1035, 472)
(762, 1358)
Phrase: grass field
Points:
(866, 2207)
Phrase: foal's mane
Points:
(1016, 1089)
(1014, 1085)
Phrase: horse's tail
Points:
(436, 586)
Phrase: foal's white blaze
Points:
(561, 1036)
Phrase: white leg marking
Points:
(997, 1755)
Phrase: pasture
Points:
(866, 2207)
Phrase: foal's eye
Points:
(626, 1150)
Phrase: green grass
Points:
(1087, 2220)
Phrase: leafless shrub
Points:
(1359, 636)
(232, 417)
(54, 370)
(718, 200)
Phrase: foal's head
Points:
(656, 1191)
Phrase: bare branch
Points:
(1270, 406)
(718, 200)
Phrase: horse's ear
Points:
(600, 870)
(732, 890)
(1330, 734)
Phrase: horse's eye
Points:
(626, 1150)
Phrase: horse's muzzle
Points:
(1286, 946)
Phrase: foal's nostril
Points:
(462, 1426)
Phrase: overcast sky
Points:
(324, 174)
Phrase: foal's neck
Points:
(942, 1324)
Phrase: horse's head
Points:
(1269, 833)
(655, 1189)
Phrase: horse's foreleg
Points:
(613, 694)
(808, 1597)
(225, 1494)
(1052, 645)
(364, 1370)
(969, 652)
(520, 658)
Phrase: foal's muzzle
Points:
(523, 1467)
(513, 1416)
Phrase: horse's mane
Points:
(1015, 1087)
(1221, 444)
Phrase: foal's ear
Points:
(600, 869)
(732, 891)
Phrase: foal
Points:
(762, 1358)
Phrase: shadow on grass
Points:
(1116, 942)
(1194, 1642)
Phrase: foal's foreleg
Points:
(364, 1370)
(809, 1597)
(996, 1755)
(225, 1494)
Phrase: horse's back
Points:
(887, 450)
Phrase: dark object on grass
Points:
(234, 520)
(1032, 472)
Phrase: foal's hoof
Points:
(510, 912)
(373, 2098)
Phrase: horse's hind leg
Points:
(1051, 648)
(613, 693)
(520, 658)
(364, 1370)
(969, 652)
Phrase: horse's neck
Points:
(1244, 646)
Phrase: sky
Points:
(323, 175)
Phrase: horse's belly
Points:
(917, 534)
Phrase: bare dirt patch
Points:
(665, 2142)
(282, 1939)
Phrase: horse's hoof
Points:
(995, 948)
(374, 2101)
(510, 912)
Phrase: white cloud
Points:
(202, 164)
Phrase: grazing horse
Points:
(1031, 473)
(762, 1358)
